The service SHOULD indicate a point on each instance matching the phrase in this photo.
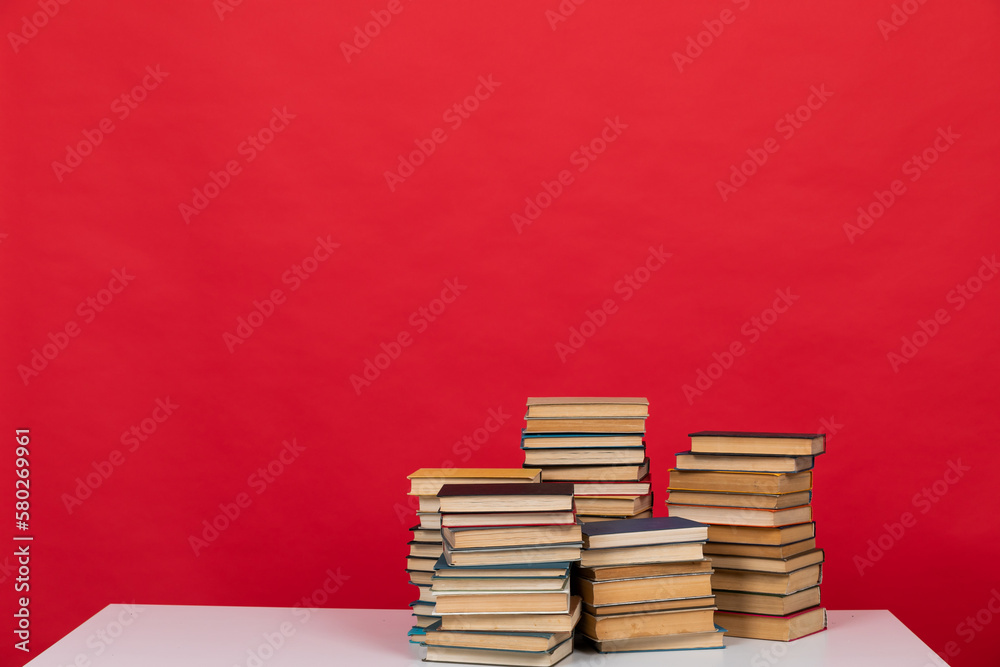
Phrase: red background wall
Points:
(340, 505)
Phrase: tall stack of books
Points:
(646, 586)
(425, 548)
(597, 444)
(502, 586)
(754, 490)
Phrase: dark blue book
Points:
(640, 532)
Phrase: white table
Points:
(188, 636)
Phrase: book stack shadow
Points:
(755, 492)
(501, 587)
(426, 546)
(597, 445)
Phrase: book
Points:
(585, 425)
(496, 657)
(425, 534)
(428, 481)
(584, 518)
(515, 622)
(758, 550)
(748, 500)
(424, 621)
(513, 555)
(747, 581)
(561, 569)
(504, 641)
(766, 603)
(428, 504)
(429, 520)
(628, 626)
(654, 605)
(743, 462)
(447, 584)
(503, 602)
(587, 407)
(740, 482)
(613, 505)
(765, 536)
(611, 488)
(623, 473)
(506, 536)
(638, 532)
(645, 589)
(580, 440)
(585, 456)
(425, 549)
(653, 553)
(422, 608)
(775, 628)
(420, 578)
(740, 516)
(645, 570)
(789, 564)
(463, 519)
(748, 442)
(420, 564)
(675, 642)
(552, 497)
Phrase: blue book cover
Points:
(638, 525)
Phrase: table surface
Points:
(191, 636)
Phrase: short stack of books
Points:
(754, 490)
(502, 586)
(597, 444)
(646, 586)
(425, 548)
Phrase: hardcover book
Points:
(749, 442)
(637, 532)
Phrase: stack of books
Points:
(597, 444)
(426, 548)
(754, 490)
(646, 586)
(502, 586)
